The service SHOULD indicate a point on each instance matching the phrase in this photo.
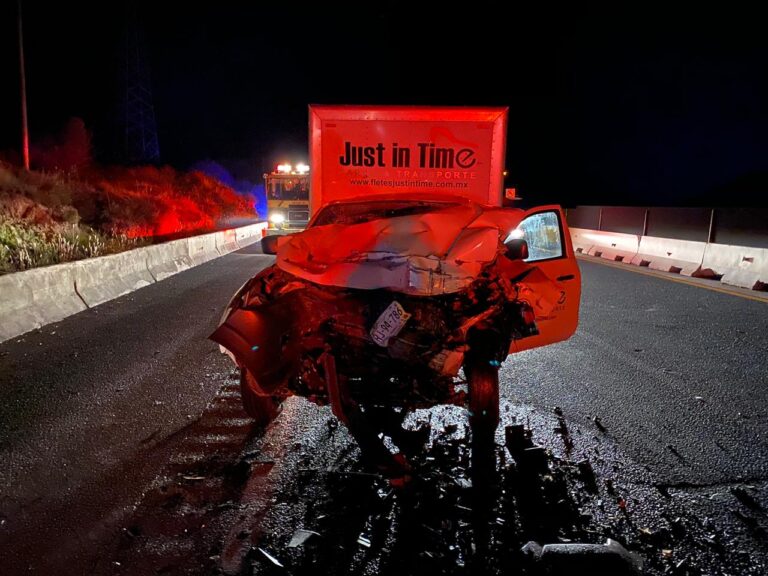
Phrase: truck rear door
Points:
(551, 251)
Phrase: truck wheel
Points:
(483, 381)
(263, 408)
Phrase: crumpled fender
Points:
(256, 341)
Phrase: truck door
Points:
(551, 251)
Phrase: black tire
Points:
(483, 384)
(483, 381)
(263, 408)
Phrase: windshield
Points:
(358, 212)
(288, 188)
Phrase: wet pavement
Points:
(295, 500)
(127, 450)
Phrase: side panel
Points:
(561, 316)
(360, 151)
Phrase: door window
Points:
(541, 232)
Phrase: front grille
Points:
(298, 215)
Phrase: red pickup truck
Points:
(410, 285)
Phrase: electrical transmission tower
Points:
(141, 144)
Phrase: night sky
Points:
(644, 107)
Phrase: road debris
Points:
(448, 520)
(300, 536)
(517, 438)
(535, 459)
(271, 558)
(579, 558)
(364, 541)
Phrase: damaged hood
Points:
(438, 251)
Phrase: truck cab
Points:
(287, 189)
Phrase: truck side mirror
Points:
(517, 249)
(269, 244)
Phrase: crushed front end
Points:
(281, 327)
(385, 306)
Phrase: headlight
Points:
(277, 218)
(516, 234)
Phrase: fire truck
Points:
(287, 191)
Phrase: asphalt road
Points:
(93, 406)
(676, 373)
(96, 405)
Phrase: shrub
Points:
(46, 218)
(25, 245)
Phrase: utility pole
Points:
(23, 82)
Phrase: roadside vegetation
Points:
(69, 209)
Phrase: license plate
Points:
(389, 324)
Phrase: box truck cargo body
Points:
(358, 151)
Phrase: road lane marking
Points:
(664, 276)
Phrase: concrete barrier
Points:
(167, 259)
(226, 241)
(612, 245)
(98, 280)
(580, 238)
(202, 248)
(738, 265)
(34, 298)
(248, 234)
(668, 255)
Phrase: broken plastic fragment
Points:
(271, 558)
(363, 541)
(301, 536)
(463, 483)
